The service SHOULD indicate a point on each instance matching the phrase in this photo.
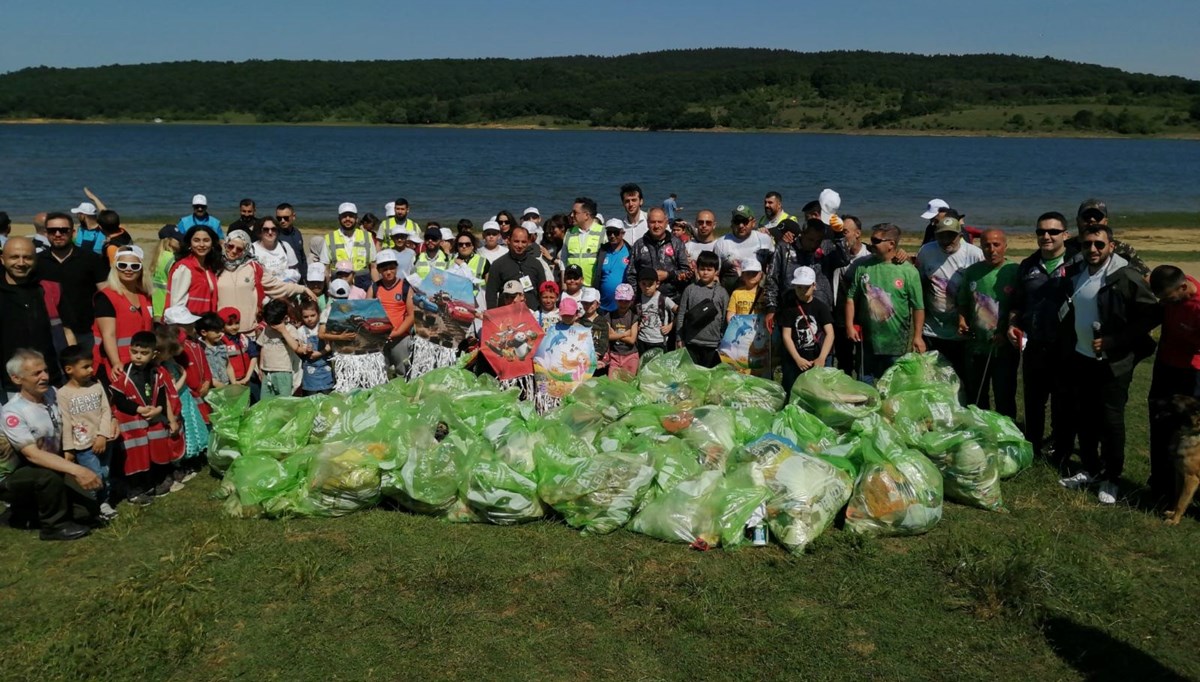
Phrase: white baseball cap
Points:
(830, 202)
(804, 276)
(339, 288)
(130, 248)
(447, 235)
(589, 295)
(493, 226)
(615, 224)
(532, 210)
(750, 265)
(387, 256)
(389, 209)
(531, 226)
(347, 207)
(86, 208)
(416, 238)
(399, 229)
(934, 206)
(316, 272)
(179, 315)
(199, 200)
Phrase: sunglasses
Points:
(462, 244)
(1094, 244)
(284, 218)
(706, 222)
(504, 222)
(57, 230)
(877, 240)
(234, 247)
(125, 266)
(270, 230)
(1053, 233)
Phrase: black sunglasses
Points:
(462, 244)
(1095, 244)
(284, 217)
(1053, 233)
(271, 230)
(877, 240)
(57, 230)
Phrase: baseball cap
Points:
(433, 234)
(398, 229)
(947, 224)
(1092, 205)
(589, 295)
(568, 306)
(130, 248)
(532, 210)
(789, 225)
(932, 209)
(415, 237)
(532, 227)
(238, 236)
(513, 286)
(804, 276)
(830, 202)
(750, 265)
(343, 266)
(447, 234)
(647, 274)
(742, 214)
(624, 292)
(347, 207)
(179, 315)
(339, 288)
(86, 208)
(386, 256)
(389, 209)
(573, 272)
(169, 232)
(199, 200)
(549, 285)
(316, 272)
(229, 314)
(614, 225)
(491, 226)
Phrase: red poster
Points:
(510, 338)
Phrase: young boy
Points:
(702, 311)
(88, 428)
(243, 353)
(745, 299)
(547, 316)
(573, 283)
(345, 272)
(656, 313)
(623, 358)
(211, 330)
(597, 320)
(318, 374)
(147, 407)
(279, 352)
(807, 326)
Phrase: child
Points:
(807, 326)
(351, 371)
(279, 351)
(345, 272)
(573, 282)
(318, 375)
(656, 313)
(595, 319)
(702, 311)
(243, 353)
(547, 316)
(211, 329)
(746, 298)
(315, 281)
(88, 428)
(622, 360)
(146, 406)
(183, 356)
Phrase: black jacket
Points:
(829, 256)
(1128, 312)
(1039, 296)
(25, 322)
(510, 267)
(669, 255)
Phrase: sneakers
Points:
(164, 488)
(107, 512)
(1079, 480)
(141, 499)
(1108, 493)
(176, 486)
(67, 531)
(187, 476)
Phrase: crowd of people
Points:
(110, 353)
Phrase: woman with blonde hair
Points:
(122, 310)
(161, 258)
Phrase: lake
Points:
(151, 171)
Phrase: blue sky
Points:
(1153, 36)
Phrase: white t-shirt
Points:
(493, 254)
(27, 423)
(695, 248)
(637, 229)
(1085, 287)
(276, 261)
(941, 273)
(732, 251)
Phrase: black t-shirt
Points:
(78, 276)
(805, 322)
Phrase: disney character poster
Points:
(746, 346)
(365, 319)
(444, 306)
(511, 337)
(565, 359)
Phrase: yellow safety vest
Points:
(335, 244)
(385, 228)
(477, 265)
(582, 248)
(422, 263)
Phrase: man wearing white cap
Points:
(934, 212)
(807, 325)
(492, 248)
(200, 216)
(350, 242)
(89, 235)
(398, 217)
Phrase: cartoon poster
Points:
(444, 308)
(565, 359)
(511, 336)
(746, 346)
(365, 319)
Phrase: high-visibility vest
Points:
(385, 228)
(581, 249)
(335, 243)
(422, 263)
(130, 320)
(162, 275)
(477, 265)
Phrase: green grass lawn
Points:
(1059, 588)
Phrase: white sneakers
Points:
(107, 512)
(1108, 489)
(1108, 493)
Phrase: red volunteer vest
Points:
(202, 294)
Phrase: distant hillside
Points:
(676, 89)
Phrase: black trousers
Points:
(703, 355)
(1166, 382)
(55, 498)
(996, 370)
(1042, 371)
(1097, 409)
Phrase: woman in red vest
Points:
(122, 310)
(193, 279)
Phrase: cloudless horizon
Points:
(1155, 36)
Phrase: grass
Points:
(1058, 588)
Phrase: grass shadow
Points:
(1098, 656)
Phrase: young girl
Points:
(183, 355)
(745, 299)
(279, 352)
(315, 280)
(548, 316)
(623, 358)
(345, 272)
(318, 374)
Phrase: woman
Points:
(122, 310)
(507, 222)
(243, 283)
(277, 258)
(467, 261)
(161, 258)
(193, 280)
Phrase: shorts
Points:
(277, 384)
(622, 366)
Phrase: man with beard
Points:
(741, 244)
(285, 220)
(519, 264)
(79, 273)
(247, 220)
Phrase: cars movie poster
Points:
(444, 308)
(511, 336)
(365, 318)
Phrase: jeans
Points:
(1166, 382)
(997, 371)
(56, 498)
(97, 463)
(1097, 410)
(1043, 370)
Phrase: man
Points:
(706, 238)
(983, 304)
(400, 219)
(611, 264)
(670, 205)
(1107, 328)
(892, 308)
(351, 243)
(1033, 330)
(583, 239)
(1176, 366)
(1093, 212)
(200, 216)
(934, 212)
(662, 252)
(247, 220)
(79, 272)
(34, 477)
(773, 214)
(521, 264)
(635, 217)
(492, 248)
(40, 241)
(89, 235)
(115, 235)
(431, 255)
(29, 309)
(742, 243)
(843, 347)
(941, 264)
(285, 220)
(813, 250)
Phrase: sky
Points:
(1150, 36)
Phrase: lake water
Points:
(147, 171)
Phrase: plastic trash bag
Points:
(970, 475)
(250, 481)
(674, 379)
(915, 371)
(500, 484)
(642, 422)
(452, 381)
(834, 397)
(478, 410)
(229, 405)
(1002, 439)
(599, 493)
(710, 430)
(804, 430)
(706, 511)
(611, 398)
(428, 481)
(277, 427)
(898, 490)
(336, 479)
(751, 423)
(917, 412)
(674, 462)
(731, 389)
(583, 420)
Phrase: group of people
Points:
(109, 354)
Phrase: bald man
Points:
(29, 309)
(984, 298)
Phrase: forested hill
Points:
(734, 88)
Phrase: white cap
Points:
(804, 276)
(347, 207)
(750, 265)
(316, 272)
(600, 218)
(934, 206)
(389, 209)
(199, 200)
(830, 202)
(416, 238)
(178, 314)
(290, 276)
(387, 256)
(238, 235)
(493, 226)
(86, 208)
(130, 248)
(447, 235)
(533, 210)
(589, 295)
(615, 224)
(339, 288)
(531, 226)
(399, 229)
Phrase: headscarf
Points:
(232, 264)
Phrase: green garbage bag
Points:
(915, 371)
(709, 429)
(228, 405)
(292, 499)
(428, 481)
(599, 493)
(452, 381)
(731, 389)
(642, 422)
(674, 461)
(751, 423)
(805, 431)
(250, 481)
(970, 475)
(917, 412)
(478, 410)
(1001, 438)
(673, 378)
(898, 490)
(500, 484)
(277, 427)
(581, 419)
(611, 398)
(330, 409)
(834, 397)
(707, 510)
(415, 437)
(340, 478)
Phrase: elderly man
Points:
(200, 216)
(941, 264)
(351, 243)
(662, 252)
(984, 299)
(29, 310)
(39, 483)
(79, 273)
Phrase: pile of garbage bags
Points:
(707, 457)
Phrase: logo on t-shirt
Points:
(13, 421)
(899, 283)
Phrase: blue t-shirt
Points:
(670, 207)
(189, 221)
(612, 273)
(90, 239)
(318, 374)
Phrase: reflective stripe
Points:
(135, 442)
(134, 425)
(337, 248)
(121, 343)
(157, 434)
